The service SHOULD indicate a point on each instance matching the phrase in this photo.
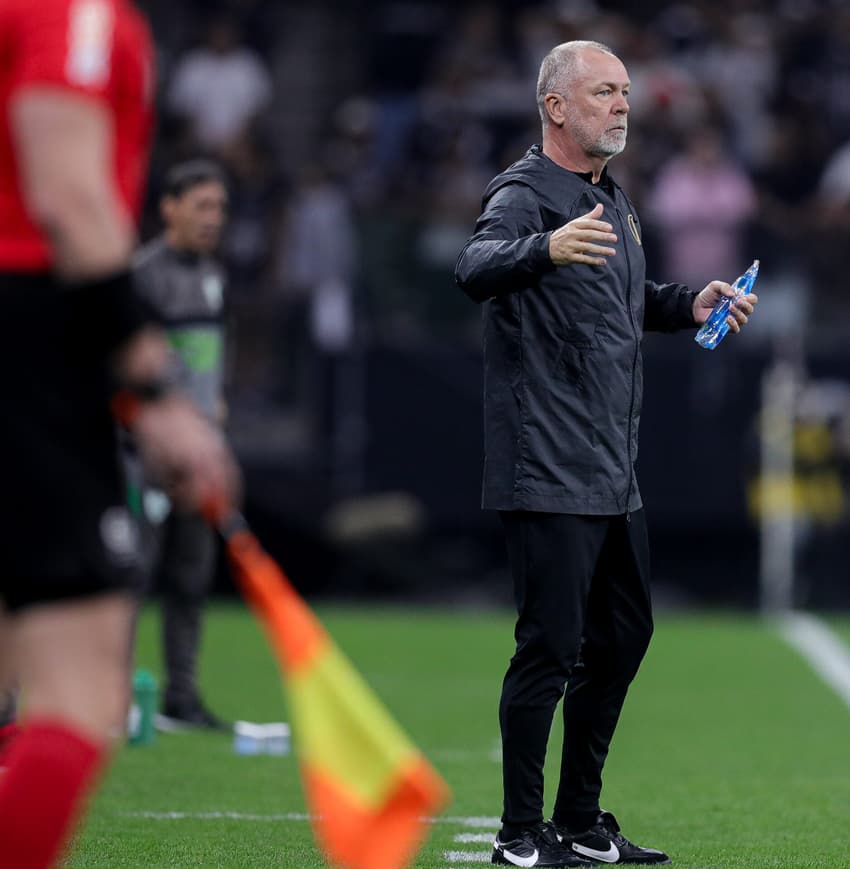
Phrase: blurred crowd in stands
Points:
(359, 137)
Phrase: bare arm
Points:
(64, 143)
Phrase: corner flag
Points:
(368, 788)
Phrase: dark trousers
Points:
(581, 585)
(185, 555)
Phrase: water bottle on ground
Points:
(247, 737)
(277, 738)
(251, 738)
(715, 327)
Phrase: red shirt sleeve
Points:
(67, 43)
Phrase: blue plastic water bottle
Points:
(714, 329)
(248, 738)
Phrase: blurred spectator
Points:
(255, 213)
(832, 219)
(352, 151)
(785, 215)
(179, 278)
(318, 246)
(701, 204)
(834, 187)
(785, 193)
(451, 204)
(401, 39)
(663, 90)
(316, 271)
(744, 51)
(220, 87)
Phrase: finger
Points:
(743, 305)
(590, 249)
(601, 233)
(596, 212)
(752, 298)
(718, 288)
(590, 260)
(734, 326)
(582, 228)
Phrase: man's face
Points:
(195, 219)
(596, 106)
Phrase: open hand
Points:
(582, 240)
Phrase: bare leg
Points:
(72, 659)
(73, 662)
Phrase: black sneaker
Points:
(604, 842)
(538, 846)
(177, 717)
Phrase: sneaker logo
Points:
(515, 859)
(612, 855)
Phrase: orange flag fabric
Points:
(368, 788)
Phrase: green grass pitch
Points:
(730, 751)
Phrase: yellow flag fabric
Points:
(368, 787)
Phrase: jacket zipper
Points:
(634, 364)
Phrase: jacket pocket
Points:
(570, 364)
(580, 338)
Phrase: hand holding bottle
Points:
(731, 309)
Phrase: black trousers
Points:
(183, 552)
(585, 620)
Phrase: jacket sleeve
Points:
(668, 308)
(508, 250)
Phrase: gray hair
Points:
(558, 70)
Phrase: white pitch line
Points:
(467, 856)
(827, 655)
(474, 822)
(468, 838)
(215, 816)
(471, 822)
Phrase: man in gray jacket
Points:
(184, 285)
(557, 259)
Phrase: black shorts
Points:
(66, 530)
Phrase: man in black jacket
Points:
(557, 257)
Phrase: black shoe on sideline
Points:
(538, 846)
(604, 843)
(178, 717)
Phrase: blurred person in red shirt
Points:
(76, 84)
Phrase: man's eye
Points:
(604, 92)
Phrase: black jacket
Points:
(562, 361)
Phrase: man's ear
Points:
(555, 109)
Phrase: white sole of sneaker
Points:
(165, 724)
